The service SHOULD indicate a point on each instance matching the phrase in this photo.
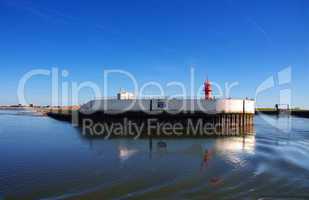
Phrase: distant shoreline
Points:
(13, 108)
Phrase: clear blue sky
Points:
(227, 40)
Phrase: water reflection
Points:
(206, 168)
(236, 144)
(235, 150)
(125, 153)
(206, 158)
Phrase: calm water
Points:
(41, 158)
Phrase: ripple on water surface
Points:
(44, 158)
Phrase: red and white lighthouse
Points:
(207, 90)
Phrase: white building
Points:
(124, 95)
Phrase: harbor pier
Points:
(163, 118)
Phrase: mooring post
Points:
(243, 114)
(225, 122)
(150, 105)
(237, 123)
(221, 123)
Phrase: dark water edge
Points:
(136, 124)
(42, 158)
(296, 113)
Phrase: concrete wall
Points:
(171, 105)
(116, 106)
(185, 105)
(235, 106)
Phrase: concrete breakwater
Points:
(162, 117)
